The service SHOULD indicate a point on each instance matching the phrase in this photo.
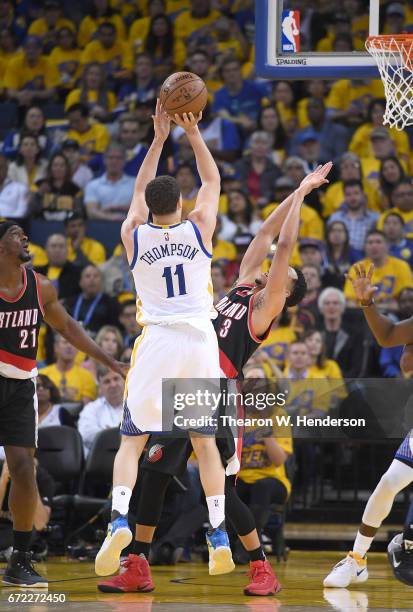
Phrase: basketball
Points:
(183, 92)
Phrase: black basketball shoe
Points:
(21, 573)
(401, 560)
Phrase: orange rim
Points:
(392, 42)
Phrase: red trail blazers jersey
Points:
(20, 320)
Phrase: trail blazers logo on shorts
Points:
(155, 453)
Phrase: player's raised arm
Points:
(58, 318)
(270, 229)
(270, 300)
(138, 211)
(386, 332)
(206, 207)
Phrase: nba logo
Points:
(290, 38)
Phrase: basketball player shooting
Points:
(26, 299)
(353, 569)
(255, 301)
(170, 261)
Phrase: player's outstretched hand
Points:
(363, 288)
(316, 179)
(161, 122)
(120, 368)
(188, 121)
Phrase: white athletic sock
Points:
(120, 499)
(362, 544)
(216, 509)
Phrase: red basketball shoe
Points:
(263, 580)
(136, 577)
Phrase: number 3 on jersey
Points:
(167, 275)
(225, 327)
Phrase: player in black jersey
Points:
(245, 316)
(27, 298)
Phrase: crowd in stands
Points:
(80, 87)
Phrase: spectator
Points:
(401, 200)
(269, 121)
(332, 137)
(390, 175)
(354, 214)
(311, 253)
(284, 99)
(9, 20)
(307, 313)
(48, 398)
(99, 12)
(139, 29)
(127, 318)
(263, 480)
(29, 166)
(390, 357)
(166, 49)
(296, 169)
(187, 182)
(223, 251)
(117, 275)
(82, 250)
(92, 137)
(382, 147)
(230, 180)
(309, 149)
(298, 361)
(344, 347)
(31, 78)
(46, 27)
(93, 92)
(218, 281)
(92, 307)
(230, 42)
(75, 384)
(108, 197)
(199, 62)
(220, 135)
(61, 273)
(339, 255)
(240, 216)
(114, 55)
(33, 125)
(110, 340)
(319, 364)
(144, 86)
(81, 174)
(361, 144)
(13, 195)
(390, 275)
(105, 412)
(348, 99)
(350, 169)
(395, 18)
(129, 137)
(193, 25)
(399, 246)
(239, 100)
(65, 57)
(257, 172)
(55, 196)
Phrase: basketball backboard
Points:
(283, 53)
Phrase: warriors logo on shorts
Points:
(155, 453)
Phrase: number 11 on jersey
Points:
(167, 275)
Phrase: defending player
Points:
(26, 298)
(245, 316)
(171, 266)
(353, 569)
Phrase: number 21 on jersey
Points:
(173, 284)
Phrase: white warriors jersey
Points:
(172, 272)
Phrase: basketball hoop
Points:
(394, 57)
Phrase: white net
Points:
(394, 57)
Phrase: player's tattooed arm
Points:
(258, 302)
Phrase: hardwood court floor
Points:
(189, 588)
